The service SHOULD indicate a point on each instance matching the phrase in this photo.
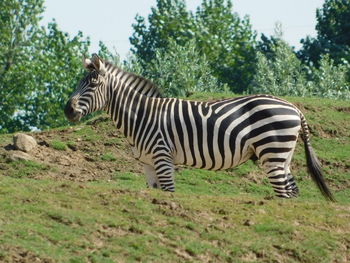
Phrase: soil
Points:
(82, 161)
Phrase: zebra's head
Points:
(91, 93)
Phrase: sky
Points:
(110, 21)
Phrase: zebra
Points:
(215, 135)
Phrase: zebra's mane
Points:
(149, 88)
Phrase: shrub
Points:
(330, 80)
(179, 71)
(281, 73)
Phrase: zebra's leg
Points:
(280, 176)
(151, 177)
(164, 168)
(292, 184)
(282, 182)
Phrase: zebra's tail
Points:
(313, 164)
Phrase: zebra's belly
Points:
(216, 163)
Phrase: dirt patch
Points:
(332, 130)
(343, 109)
(20, 255)
(82, 159)
(302, 107)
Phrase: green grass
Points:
(58, 145)
(108, 157)
(227, 216)
(107, 222)
(20, 169)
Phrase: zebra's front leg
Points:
(151, 177)
(164, 168)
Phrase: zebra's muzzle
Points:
(72, 114)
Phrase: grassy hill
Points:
(82, 198)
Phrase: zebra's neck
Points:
(127, 106)
(147, 88)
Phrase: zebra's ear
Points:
(98, 64)
(87, 64)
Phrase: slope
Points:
(82, 198)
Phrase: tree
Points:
(332, 34)
(169, 20)
(18, 30)
(333, 21)
(39, 67)
(330, 80)
(227, 41)
(55, 69)
(220, 35)
(279, 72)
(266, 44)
(180, 71)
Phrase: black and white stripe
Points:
(210, 135)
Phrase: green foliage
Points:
(18, 30)
(332, 34)
(226, 41)
(266, 45)
(169, 20)
(39, 67)
(280, 72)
(56, 70)
(333, 21)
(181, 71)
(330, 80)
(106, 54)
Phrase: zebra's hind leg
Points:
(277, 168)
(282, 181)
(275, 158)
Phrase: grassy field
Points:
(82, 198)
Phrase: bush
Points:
(281, 73)
(226, 39)
(179, 71)
(330, 80)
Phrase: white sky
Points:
(110, 20)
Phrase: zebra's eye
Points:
(94, 79)
(94, 83)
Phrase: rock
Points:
(173, 205)
(65, 160)
(19, 156)
(261, 211)
(248, 222)
(24, 142)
